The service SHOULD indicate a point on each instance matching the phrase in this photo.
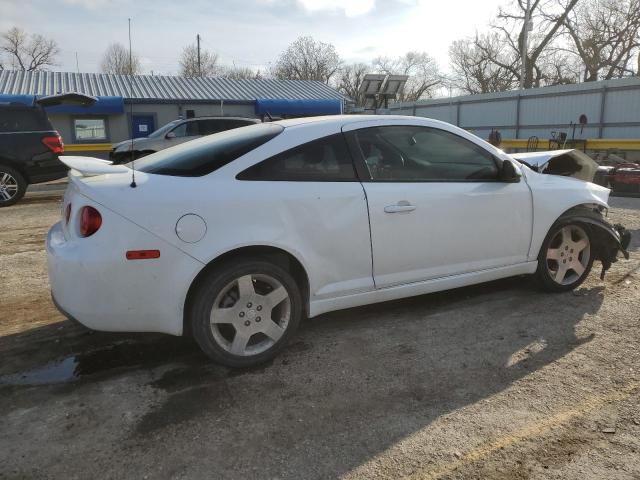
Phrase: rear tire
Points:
(13, 186)
(244, 312)
(566, 256)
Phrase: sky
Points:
(246, 33)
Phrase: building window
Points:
(90, 129)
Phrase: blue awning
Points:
(104, 105)
(283, 106)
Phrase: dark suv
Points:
(29, 146)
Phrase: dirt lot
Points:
(496, 381)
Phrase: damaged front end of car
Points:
(566, 163)
(607, 240)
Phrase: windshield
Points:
(162, 131)
(207, 154)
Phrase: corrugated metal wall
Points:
(612, 108)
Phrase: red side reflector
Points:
(142, 254)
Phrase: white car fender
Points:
(552, 196)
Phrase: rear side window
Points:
(209, 127)
(229, 124)
(205, 155)
(23, 119)
(323, 160)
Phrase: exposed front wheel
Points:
(565, 258)
(243, 313)
(13, 186)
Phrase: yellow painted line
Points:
(527, 432)
(87, 147)
(592, 143)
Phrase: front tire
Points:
(13, 186)
(566, 256)
(244, 312)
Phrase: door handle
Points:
(401, 206)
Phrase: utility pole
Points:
(199, 65)
(77, 64)
(528, 26)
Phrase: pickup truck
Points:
(29, 145)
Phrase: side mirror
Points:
(170, 135)
(508, 172)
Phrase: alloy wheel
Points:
(250, 314)
(568, 254)
(8, 186)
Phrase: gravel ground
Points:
(493, 381)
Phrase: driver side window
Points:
(180, 130)
(419, 154)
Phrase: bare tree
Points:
(28, 52)
(483, 64)
(605, 35)
(307, 59)
(424, 76)
(116, 61)
(350, 79)
(241, 73)
(549, 17)
(209, 66)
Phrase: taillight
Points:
(90, 221)
(67, 213)
(54, 143)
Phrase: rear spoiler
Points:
(89, 166)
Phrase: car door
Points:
(436, 204)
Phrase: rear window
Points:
(205, 155)
(23, 119)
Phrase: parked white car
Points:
(233, 238)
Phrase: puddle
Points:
(195, 366)
(109, 358)
(54, 372)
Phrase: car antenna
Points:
(133, 156)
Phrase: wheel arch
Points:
(16, 166)
(577, 210)
(607, 239)
(272, 254)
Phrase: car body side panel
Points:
(327, 232)
(320, 306)
(93, 282)
(456, 227)
(552, 196)
(323, 224)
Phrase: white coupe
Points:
(234, 237)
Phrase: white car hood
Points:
(570, 162)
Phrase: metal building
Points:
(601, 115)
(157, 100)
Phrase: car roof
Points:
(252, 120)
(348, 119)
